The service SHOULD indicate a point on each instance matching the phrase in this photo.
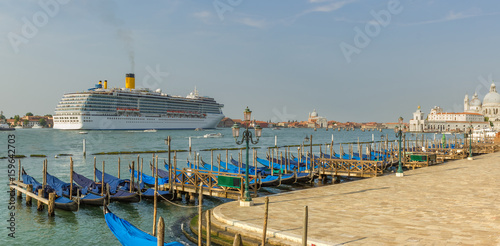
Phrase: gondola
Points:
(128, 234)
(250, 168)
(62, 189)
(287, 178)
(95, 188)
(269, 181)
(60, 202)
(150, 181)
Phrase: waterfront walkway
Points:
(454, 203)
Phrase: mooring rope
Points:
(178, 205)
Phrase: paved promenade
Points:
(454, 203)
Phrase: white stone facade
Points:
(439, 121)
(316, 121)
(489, 107)
(418, 122)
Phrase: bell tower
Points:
(466, 103)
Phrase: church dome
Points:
(475, 102)
(492, 97)
(314, 114)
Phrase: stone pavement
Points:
(454, 203)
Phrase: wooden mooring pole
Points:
(266, 213)
(28, 198)
(44, 173)
(119, 163)
(132, 178)
(155, 201)
(94, 168)
(51, 207)
(170, 173)
(39, 204)
(209, 239)
(70, 178)
(304, 233)
(19, 194)
(200, 211)
(237, 240)
(161, 232)
(142, 162)
(102, 179)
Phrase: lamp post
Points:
(399, 133)
(470, 143)
(246, 138)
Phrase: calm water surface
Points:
(87, 226)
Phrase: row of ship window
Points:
(61, 107)
(128, 101)
(66, 121)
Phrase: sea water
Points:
(87, 226)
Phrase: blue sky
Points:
(281, 58)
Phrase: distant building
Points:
(418, 122)
(392, 125)
(35, 120)
(371, 125)
(489, 107)
(316, 121)
(226, 122)
(438, 121)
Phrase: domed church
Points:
(490, 107)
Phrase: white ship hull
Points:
(138, 123)
(100, 108)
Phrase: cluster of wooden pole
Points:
(28, 191)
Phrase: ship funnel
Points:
(130, 81)
(105, 84)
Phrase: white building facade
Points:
(315, 120)
(489, 107)
(440, 121)
(418, 123)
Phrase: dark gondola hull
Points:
(129, 197)
(271, 183)
(151, 197)
(93, 202)
(70, 206)
(304, 178)
(288, 180)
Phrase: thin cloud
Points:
(204, 16)
(324, 8)
(253, 22)
(318, 1)
(332, 6)
(451, 16)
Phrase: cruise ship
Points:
(128, 108)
